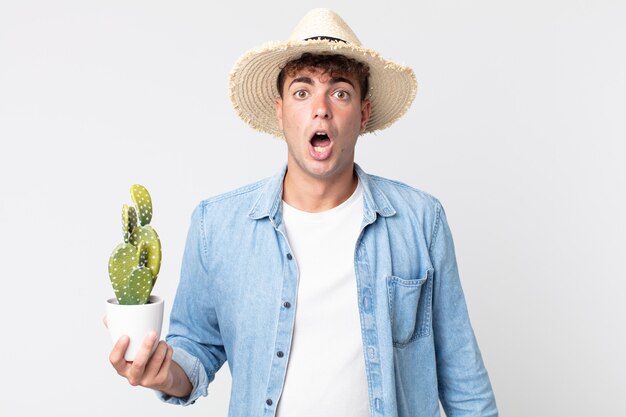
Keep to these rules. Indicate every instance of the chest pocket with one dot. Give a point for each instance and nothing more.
(410, 307)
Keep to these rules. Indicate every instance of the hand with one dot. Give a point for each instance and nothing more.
(148, 370)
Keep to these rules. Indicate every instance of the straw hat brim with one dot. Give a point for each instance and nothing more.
(253, 92)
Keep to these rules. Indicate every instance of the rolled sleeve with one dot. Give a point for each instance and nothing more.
(196, 374)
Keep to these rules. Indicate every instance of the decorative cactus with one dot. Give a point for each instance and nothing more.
(135, 264)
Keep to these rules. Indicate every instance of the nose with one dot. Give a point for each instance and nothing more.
(321, 109)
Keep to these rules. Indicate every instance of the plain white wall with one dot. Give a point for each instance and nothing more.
(518, 128)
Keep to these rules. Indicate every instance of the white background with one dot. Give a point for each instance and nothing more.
(518, 128)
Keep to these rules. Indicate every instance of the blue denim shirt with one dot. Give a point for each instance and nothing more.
(237, 299)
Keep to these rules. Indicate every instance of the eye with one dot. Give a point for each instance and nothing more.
(342, 94)
(301, 94)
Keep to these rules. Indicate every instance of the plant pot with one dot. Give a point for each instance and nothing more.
(135, 321)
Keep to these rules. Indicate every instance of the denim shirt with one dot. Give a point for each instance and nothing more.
(237, 299)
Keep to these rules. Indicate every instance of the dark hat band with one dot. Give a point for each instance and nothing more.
(325, 38)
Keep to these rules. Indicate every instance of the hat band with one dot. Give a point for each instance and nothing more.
(325, 38)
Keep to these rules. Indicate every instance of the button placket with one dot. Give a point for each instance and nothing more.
(285, 328)
(370, 339)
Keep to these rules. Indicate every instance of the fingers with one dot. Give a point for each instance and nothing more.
(149, 369)
(157, 369)
(137, 368)
(117, 355)
(105, 321)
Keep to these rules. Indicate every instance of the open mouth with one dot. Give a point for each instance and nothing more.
(319, 141)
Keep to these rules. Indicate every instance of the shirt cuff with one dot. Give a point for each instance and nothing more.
(196, 374)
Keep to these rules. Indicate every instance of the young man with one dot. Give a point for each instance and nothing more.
(330, 292)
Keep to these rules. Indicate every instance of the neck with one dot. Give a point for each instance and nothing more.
(315, 195)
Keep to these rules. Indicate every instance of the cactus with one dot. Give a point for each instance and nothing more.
(135, 264)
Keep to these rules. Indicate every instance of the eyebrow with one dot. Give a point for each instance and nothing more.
(333, 80)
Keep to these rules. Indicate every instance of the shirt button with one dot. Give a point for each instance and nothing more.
(268, 401)
(289, 256)
(280, 354)
(287, 304)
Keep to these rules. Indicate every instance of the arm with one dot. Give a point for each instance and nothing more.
(194, 330)
(464, 386)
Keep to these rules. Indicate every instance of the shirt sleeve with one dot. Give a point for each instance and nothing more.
(194, 331)
(196, 374)
(464, 386)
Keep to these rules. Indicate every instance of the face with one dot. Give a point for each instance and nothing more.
(321, 117)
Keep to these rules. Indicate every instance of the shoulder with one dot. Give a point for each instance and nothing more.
(238, 195)
(411, 216)
(233, 202)
(402, 195)
(411, 209)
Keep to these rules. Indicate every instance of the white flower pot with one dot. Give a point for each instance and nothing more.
(135, 321)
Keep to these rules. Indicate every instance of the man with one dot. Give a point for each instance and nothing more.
(330, 292)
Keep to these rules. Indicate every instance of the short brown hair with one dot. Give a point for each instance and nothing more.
(333, 64)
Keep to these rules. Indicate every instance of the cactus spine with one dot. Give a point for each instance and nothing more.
(135, 263)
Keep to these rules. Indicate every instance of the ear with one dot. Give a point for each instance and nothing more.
(279, 112)
(366, 110)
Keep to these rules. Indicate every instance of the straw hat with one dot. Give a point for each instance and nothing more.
(253, 89)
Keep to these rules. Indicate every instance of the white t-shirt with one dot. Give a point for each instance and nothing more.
(326, 369)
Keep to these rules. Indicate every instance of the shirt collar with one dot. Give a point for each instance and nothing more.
(269, 201)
